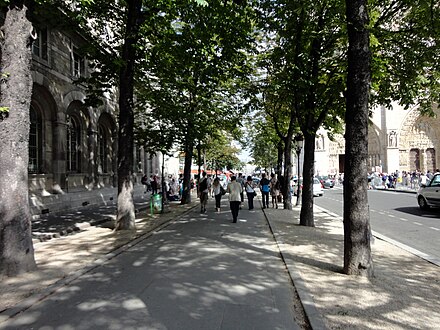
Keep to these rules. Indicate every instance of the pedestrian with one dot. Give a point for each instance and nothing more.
(274, 190)
(218, 192)
(209, 181)
(153, 184)
(281, 181)
(241, 181)
(203, 191)
(423, 179)
(234, 189)
(250, 192)
(144, 181)
(264, 187)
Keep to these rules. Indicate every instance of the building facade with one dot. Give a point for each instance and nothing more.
(398, 140)
(72, 146)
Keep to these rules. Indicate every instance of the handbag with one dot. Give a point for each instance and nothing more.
(222, 190)
(255, 193)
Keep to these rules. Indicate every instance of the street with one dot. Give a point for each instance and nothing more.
(395, 215)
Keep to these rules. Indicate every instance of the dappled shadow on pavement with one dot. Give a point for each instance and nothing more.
(403, 294)
(200, 272)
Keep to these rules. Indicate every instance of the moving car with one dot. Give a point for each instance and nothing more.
(317, 187)
(326, 181)
(318, 190)
(429, 194)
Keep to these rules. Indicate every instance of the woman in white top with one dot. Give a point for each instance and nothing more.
(217, 191)
(234, 190)
(250, 192)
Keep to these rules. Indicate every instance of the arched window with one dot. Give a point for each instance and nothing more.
(35, 142)
(73, 145)
(102, 150)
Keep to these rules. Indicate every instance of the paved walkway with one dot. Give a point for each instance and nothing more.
(185, 270)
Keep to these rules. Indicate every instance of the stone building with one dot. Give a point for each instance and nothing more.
(399, 140)
(72, 147)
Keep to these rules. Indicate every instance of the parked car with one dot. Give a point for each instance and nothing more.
(326, 181)
(429, 194)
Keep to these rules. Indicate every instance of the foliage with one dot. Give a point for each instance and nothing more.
(189, 68)
(262, 140)
(405, 45)
(220, 153)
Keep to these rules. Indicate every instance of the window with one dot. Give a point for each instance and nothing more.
(78, 65)
(39, 45)
(73, 145)
(35, 135)
(102, 150)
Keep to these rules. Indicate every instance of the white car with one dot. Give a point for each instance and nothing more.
(318, 190)
(429, 194)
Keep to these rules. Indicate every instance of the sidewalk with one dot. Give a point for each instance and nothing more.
(403, 295)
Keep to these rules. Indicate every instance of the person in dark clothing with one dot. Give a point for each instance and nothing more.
(264, 187)
(154, 185)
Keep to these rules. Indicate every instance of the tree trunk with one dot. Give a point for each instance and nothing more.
(280, 152)
(357, 231)
(16, 249)
(186, 195)
(306, 215)
(126, 212)
(287, 196)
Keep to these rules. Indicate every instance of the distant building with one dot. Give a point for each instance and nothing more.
(399, 139)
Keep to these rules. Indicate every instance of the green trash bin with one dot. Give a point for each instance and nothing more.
(156, 203)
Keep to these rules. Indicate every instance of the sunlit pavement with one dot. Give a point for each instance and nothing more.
(199, 272)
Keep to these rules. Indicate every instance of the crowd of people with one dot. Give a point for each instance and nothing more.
(237, 187)
(406, 179)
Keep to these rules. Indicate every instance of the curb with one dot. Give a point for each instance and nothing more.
(312, 314)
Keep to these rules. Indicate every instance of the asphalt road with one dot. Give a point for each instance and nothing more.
(395, 215)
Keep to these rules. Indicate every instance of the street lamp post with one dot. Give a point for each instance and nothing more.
(298, 146)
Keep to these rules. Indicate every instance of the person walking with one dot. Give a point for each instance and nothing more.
(274, 190)
(234, 189)
(153, 183)
(217, 190)
(144, 181)
(241, 181)
(250, 192)
(264, 187)
(203, 191)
